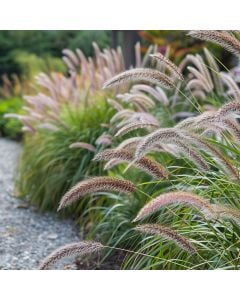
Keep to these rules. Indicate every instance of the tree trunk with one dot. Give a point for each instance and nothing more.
(130, 38)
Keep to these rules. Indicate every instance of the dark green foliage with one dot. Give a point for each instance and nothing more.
(48, 168)
(45, 44)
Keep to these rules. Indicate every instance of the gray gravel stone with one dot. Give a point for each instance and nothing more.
(27, 236)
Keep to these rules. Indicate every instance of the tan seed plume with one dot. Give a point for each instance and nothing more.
(96, 184)
(82, 145)
(80, 248)
(168, 64)
(163, 135)
(149, 76)
(222, 38)
(134, 126)
(179, 197)
(225, 212)
(234, 128)
(115, 104)
(130, 143)
(193, 156)
(217, 155)
(146, 164)
(229, 108)
(169, 234)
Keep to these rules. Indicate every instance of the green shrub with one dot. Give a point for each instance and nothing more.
(31, 64)
(48, 167)
(10, 127)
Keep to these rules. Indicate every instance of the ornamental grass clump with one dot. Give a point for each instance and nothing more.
(53, 161)
(192, 197)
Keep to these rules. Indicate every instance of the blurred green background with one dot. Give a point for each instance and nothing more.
(27, 52)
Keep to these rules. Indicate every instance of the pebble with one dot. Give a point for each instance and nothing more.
(26, 236)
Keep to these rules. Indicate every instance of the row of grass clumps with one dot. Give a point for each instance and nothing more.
(168, 194)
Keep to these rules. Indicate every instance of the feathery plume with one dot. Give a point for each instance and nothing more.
(146, 164)
(70, 54)
(139, 97)
(214, 71)
(193, 156)
(201, 77)
(80, 248)
(199, 94)
(216, 154)
(156, 92)
(112, 163)
(233, 127)
(139, 117)
(226, 212)
(168, 64)
(150, 76)
(178, 197)
(229, 108)
(96, 184)
(169, 234)
(138, 54)
(69, 63)
(122, 114)
(48, 126)
(204, 70)
(164, 135)
(197, 84)
(233, 88)
(115, 104)
(104, 139)
(133, 126)
(86, 146)
(130, 143)
(221, 38)
(182, 115)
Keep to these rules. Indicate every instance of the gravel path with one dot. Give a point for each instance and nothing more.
(26, 236)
